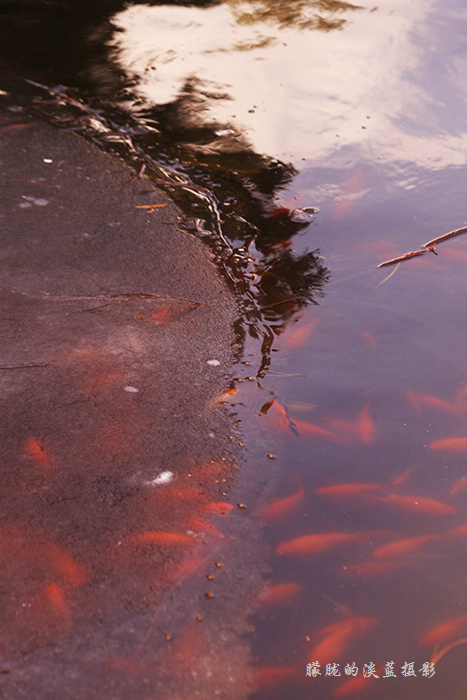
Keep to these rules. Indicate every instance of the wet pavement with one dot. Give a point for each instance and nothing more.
(116, 339)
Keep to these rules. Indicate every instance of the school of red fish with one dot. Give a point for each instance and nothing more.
(60, 576)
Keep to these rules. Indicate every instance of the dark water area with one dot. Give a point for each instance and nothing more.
(307, 143)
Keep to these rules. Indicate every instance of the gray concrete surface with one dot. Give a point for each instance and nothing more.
(111, 320)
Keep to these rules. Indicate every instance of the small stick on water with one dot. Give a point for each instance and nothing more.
(403, 257)
(451, 234)
(390, 275)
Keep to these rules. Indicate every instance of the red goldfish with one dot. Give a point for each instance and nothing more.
(371, 568)
(56, 598)
(420, 401)
(443, 632)
(401, 548)
(365, 427)
(454, 445)
(336, 638)
(300, 334)
(357, 684)
(217, 508)
(267, 676)
(459, 486)
(282, 507)
(72, 572)
(278, 595)
(315, 544)
(417, 504)
(37, 451)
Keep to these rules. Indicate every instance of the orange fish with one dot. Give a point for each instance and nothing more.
(278, 595)
(417, 504)
(192, 564)
(305, 428)
(368, 338)
(299, 335)
(56, 598)
(402, 477)
(268, 676)
(371, 568)
(401, 548)
(357, 684)
(225, 396)
(280, 420)
(450, 445)
(218, 508)
(420, 401)
(203, 527)
(65, 566)
(37, 451)
(335, 639)
(282, 507)
(350, 189)
(347, 490)
(315, 544)
(460, 486)
(343, 426)
(365, 427)
(462, 530)
(443, 632)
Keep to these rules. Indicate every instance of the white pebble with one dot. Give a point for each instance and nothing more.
(213, 363)
(131, 389)
(163, 478)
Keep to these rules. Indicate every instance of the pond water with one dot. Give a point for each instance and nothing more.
(310, 142)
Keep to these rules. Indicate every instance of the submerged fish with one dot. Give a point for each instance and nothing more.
(365, 427)
(417, 504)
(315, 544)
(420, 401)
(38, 452)
(56, 599)
(282, 507)
(401, 548)
(443, 632)
(280, 594)
(458, 444)
(334, 639)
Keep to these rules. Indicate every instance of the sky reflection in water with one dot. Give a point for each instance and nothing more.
(370, 85)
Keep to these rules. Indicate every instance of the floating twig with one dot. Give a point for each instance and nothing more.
(451, 234)
(150, 207)
(390, 275)
(412, 254)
